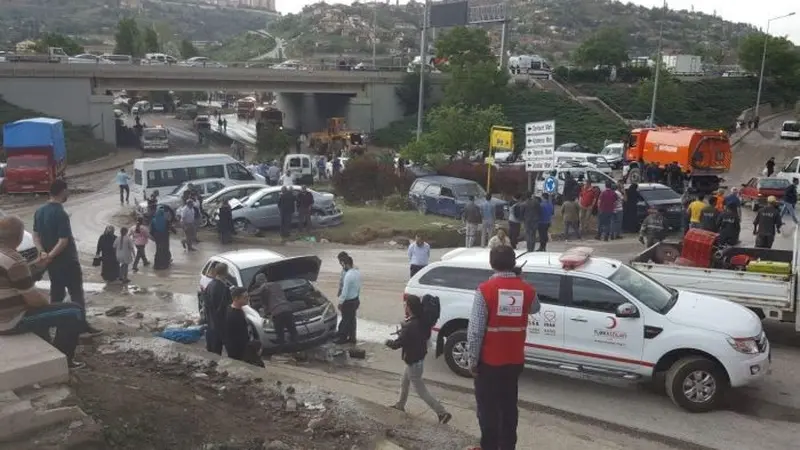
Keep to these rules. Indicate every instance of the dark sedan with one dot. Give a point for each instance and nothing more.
(655, 195)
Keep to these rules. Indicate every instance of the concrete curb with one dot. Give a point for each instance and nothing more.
(104, 169)
(750, 130)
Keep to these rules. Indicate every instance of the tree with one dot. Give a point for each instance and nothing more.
(128, 38)
(481, 85)
(69, 45)
(607, 47)
(407, 93)
(669, 97)
(150, 42)
(782, 60)
(463, 47)
(272, 142)
(188, 50)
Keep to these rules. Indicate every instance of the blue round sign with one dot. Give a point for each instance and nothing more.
(550, 185)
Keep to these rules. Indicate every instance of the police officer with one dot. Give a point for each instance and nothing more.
(496, 342)
(708, 217)
(653, 227)
(767, 223)
(729, 225)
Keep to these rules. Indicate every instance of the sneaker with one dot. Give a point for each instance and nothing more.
(75, 365)
(444, 418)
(398, 407)
(92, 331)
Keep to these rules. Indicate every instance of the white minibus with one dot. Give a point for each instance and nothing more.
(165, 174)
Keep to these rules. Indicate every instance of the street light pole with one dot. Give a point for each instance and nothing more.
(374, 32)
(423, 67)
(764, 61)
(658, 71)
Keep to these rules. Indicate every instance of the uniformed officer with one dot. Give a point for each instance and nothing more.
(729, 225)
(496, 342)
(767, 223)
(653, 227)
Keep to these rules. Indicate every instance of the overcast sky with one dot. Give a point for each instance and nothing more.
(754, 12)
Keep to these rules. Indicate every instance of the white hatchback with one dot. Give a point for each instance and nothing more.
(607, 319)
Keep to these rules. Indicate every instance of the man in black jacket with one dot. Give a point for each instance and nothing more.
(708, 218)
(729, 225)
(532, 209)
(217, 299)
(767, 223)
(286, 203)
(413, 339)
(305, 200)
(790, 201)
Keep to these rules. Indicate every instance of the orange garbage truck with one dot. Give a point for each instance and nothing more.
(703, 155)
(35, 154)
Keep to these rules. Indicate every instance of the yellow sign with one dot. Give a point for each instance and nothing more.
(501, 138)
(489, 161)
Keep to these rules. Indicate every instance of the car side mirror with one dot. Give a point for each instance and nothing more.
(627, 311)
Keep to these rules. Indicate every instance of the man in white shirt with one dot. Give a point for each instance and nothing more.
(188, 222)
(419, 255)
(273, 174)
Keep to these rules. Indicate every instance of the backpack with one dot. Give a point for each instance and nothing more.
(430, 310)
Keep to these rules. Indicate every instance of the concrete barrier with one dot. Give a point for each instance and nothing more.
(26, 359)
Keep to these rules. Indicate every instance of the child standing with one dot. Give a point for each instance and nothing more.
(141, 236)
(125, 250)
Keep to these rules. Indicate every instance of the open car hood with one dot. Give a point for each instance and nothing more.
(300, 267)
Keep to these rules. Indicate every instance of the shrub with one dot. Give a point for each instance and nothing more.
(506, 181)
(365, 179)
(397, 202)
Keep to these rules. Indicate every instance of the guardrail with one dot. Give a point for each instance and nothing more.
(250, 65)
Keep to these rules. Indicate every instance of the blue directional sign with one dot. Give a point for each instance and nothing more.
(550, 185)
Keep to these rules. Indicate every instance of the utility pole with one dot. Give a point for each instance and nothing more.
(504, 35)
(658, 71)
(374, 32)
(764, 61)
(423, 67)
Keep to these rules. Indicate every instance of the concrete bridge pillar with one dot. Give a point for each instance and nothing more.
(374, 107)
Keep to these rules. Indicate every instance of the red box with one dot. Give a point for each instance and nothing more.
(698, 246)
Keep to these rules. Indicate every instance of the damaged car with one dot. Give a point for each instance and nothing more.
(315, 316)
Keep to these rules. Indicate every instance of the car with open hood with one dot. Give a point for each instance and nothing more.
(315, 316)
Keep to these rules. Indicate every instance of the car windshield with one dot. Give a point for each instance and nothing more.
(248, 275)
(773, 183)
(653, 294)
(178, 189)
(612, 150)
(650, 195)
(467, 189)
(791, 126)
(158, 133)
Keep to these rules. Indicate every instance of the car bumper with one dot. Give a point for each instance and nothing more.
(309, 335)
(328, 219)
(751, 369)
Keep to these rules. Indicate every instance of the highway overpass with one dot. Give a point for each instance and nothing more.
(76, 92)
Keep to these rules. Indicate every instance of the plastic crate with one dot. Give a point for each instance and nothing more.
(698, 246)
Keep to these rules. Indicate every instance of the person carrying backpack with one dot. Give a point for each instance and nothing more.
(413, 340)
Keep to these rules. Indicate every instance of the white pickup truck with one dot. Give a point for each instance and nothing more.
(770, 296)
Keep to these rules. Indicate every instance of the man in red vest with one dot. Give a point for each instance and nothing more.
(496, 341)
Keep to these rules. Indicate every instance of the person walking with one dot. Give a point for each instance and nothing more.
(272, 301)
(605, 211)
(496, 348)
(141, 236)
(515, 215)
(159, 229)
(107, 254)
(790, 201)
(487, 222)
(531, 213)
(619, 210)
(545, 219)
(630, 218)
(286, 205)
(653, 227)
(570, 213)
(123, 180)
(767, 223)
(305, 201)
(225, 225)
(770, 166)
(125, 251)
(729, 225)
(588, 202)
(419, 255)
(52, 234)
(273, 174)
(413, 338)
(216, 300)
(225, 125)
(348, 300)
(188, 219)
(472, 221)
(23, 308)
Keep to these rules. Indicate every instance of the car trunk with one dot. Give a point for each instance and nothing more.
(295, 276)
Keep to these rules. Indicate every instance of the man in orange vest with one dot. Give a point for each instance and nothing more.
(496, 340)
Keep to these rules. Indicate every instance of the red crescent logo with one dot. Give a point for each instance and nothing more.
(613, 323)
(513, 300)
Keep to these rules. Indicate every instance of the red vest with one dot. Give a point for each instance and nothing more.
(508, 301)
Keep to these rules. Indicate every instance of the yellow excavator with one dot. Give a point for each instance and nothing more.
(337, 140)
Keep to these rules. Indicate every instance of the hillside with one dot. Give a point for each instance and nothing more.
(24, 19)
(243, 47)
(548, 27)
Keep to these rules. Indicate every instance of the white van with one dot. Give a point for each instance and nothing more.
(158, 59)
(790, 130)
(166, 173)
(301, 168)
(596, 161)
(790, 170)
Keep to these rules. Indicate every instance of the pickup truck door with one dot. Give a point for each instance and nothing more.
(545, 337)
(593, 335)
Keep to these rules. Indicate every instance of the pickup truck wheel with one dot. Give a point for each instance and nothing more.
(696, 384)
(634, 175)
(455, 353)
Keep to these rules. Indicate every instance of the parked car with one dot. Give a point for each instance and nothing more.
(202, 61)
(174, 200)
(758, 189)
(790, 130)
(447, 196)
(314, 315)
(573, 147)
(259, 210)
(655, 195)
(614, 155)
(239, 191)
(590, 159)
(601, 317)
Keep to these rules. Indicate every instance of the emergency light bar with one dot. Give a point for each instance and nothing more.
(575, 257)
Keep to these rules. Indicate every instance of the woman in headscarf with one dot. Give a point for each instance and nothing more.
(225, 223)
(159, 229)
(108, 255)
(630, 216)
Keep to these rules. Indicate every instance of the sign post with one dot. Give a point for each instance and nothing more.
(539, 154)
(500, 138)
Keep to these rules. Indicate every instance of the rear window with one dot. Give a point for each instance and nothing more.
(791, 126)
(773, 183)
(154, 133)
(659, 194)
(455, 277)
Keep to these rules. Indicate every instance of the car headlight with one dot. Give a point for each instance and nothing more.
(266, 324)
(748, 346)
(329, 312)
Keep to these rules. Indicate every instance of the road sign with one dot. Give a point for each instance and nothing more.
(540, 145)
(550, 185)
(501, 138)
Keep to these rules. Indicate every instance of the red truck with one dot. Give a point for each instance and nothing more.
(35, 154)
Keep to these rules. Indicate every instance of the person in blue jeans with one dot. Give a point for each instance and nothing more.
(123, 179)
(545, 219)
(790, 200)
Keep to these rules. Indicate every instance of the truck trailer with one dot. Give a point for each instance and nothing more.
(36, 154)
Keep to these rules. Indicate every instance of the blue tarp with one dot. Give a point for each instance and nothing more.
(37, 132)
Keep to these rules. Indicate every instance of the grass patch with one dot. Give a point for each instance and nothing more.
(81, 144)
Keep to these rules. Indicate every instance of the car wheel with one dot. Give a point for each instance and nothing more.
(243, 226)
(204, 221)
(634, 175)
(456, 354)
(422, 207)
(696, 384)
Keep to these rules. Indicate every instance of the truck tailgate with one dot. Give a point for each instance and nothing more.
(751, 289)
